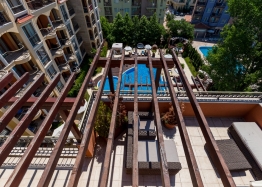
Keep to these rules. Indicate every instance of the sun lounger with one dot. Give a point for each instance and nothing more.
(248, 137)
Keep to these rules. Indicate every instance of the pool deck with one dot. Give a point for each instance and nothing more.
(197, 44)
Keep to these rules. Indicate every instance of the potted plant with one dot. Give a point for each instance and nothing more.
(103, 118)
(154, 53)
(169, 118)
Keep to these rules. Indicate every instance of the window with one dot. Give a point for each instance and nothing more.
(206, 19)
(116, 10)
(42, 55)
(223, 21)
(116, 1)
(74, 44)
(212, 19)
(126, 10)
(51, 71)
(208, 10)
(78, 57)
(31, 34)
(99, 26)
(68, 26)
(59, 86)
(64, 13)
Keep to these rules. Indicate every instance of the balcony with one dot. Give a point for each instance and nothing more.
(48, 33)
(76, 27)
(64, 67)
(79, 40)
(74, 67)
(107, 4)
(58, 24)
(108, 13)
(96, 34)
(220, 4)
(3, 18)
(38, 4)
(70, 57)
(85, 9)
(93, 22)
(71, 12)
(216, 14)
(16, 6)
(201, 3)
(3, 73)
(18, 56)
(64, 42)
(57, 51)
(89, 25)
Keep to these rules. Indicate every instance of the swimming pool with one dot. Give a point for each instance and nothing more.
(144, 81)
(204, 50)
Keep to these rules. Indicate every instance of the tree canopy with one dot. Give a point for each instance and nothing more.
(181, 28)
(132, 31)
(236, 62)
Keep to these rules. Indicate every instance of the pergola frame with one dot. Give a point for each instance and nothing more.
(109, 63)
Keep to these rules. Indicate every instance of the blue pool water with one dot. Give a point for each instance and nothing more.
(128, 78)
(204, 50)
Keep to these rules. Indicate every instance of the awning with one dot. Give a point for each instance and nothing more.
(210, 31)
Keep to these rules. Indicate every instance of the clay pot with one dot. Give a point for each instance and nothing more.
(169, 126)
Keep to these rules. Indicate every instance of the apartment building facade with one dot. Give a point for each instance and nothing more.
(176, 4)
(45, 36)
(109, 8)
(213, 16)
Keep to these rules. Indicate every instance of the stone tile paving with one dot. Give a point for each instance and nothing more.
(91, 169)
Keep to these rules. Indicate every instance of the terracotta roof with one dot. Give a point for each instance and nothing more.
(188, 18)
(24, 18)
(61, 1)
(201, 26)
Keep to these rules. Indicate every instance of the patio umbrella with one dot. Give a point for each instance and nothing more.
(148, 47)
(154, 46)
(128, 48)
(168, 56)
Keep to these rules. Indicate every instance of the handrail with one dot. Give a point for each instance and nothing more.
(36, 70)
(21, 47)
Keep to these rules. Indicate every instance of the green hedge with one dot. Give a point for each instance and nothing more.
(80, 78)
(190, 66)
(195, 58)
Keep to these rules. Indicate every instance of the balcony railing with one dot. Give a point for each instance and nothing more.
(70, 57)
(201, 3)
(58, 23)
(108, 12)
(71, 11)
(64, 41)
(107, 4)
(63, 67)
(56, 51)
(75, 68)
(20, 54)
(93, 21)
(76, 27)
(37, 4)
(49, 31)
(96, 34)
(79, 40)
(220, 4)
(19, 7)
(3, 18)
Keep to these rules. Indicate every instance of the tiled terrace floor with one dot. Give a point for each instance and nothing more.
(118, 178)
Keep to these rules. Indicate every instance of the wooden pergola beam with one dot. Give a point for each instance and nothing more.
(162, 152)
(191, 159)
(211, 143)
(13, 89)
(76, 171)
(5, 80)
(12, 139)
(135, 169)
(67, 104)
(111, 134)
(21, 168)
(12, 110)
(51, 165)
